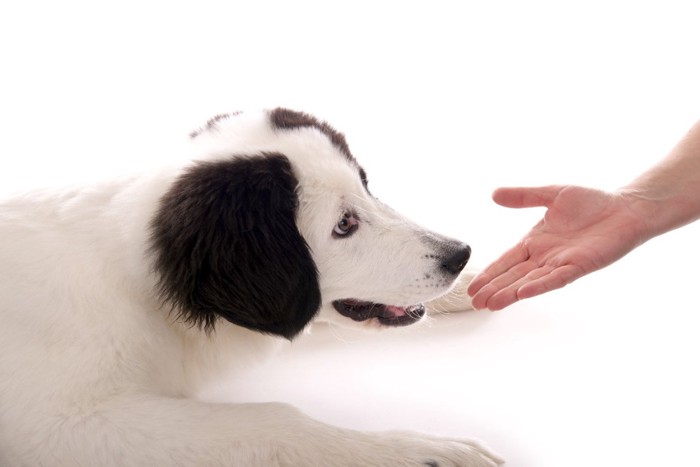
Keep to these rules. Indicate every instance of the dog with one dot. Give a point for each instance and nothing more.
(120, 301)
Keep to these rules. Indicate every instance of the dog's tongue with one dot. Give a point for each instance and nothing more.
(374, 309)
(397, 311)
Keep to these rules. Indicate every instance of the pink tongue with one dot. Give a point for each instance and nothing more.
(397, 311)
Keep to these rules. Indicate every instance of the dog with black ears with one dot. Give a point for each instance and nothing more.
(121, 301)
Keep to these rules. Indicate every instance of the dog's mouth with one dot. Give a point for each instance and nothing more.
(387, 315)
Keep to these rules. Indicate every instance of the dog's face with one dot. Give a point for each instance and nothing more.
(278, 226)
(375, 266)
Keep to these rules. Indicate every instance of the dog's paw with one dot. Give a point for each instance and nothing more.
(414, 449)
(457, 298)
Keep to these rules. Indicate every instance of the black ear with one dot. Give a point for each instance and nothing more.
(226, 244)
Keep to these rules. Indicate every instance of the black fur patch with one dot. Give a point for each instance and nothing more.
(226, 245)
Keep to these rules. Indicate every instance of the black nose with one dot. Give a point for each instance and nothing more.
(455, 260)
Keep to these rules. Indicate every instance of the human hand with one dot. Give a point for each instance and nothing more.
(582, 231)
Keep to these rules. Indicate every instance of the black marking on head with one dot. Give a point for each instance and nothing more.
(226, 245)
(289, 119)
(211, 123)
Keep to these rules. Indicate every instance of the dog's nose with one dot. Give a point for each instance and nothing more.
(455, 261)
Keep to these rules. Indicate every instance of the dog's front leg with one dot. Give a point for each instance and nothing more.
(148, 431)
(456, 299)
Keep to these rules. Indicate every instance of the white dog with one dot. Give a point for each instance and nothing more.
(119, 302)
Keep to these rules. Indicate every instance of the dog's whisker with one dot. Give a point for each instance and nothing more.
(336, 332)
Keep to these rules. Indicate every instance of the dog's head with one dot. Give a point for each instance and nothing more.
(276, 225)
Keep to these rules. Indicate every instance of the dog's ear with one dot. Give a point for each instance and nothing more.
(226, 244)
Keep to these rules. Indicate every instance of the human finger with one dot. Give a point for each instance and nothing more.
(526, 197)
(482, 297)
(510, 258)
(506, 296)
(556, 279)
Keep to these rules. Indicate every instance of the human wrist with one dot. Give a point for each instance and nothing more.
(654, 211)
(642, 212)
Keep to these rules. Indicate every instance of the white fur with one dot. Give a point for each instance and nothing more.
(95, 372)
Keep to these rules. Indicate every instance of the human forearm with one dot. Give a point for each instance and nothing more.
(667, 196)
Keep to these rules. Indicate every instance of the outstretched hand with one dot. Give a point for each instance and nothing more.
(582, 231)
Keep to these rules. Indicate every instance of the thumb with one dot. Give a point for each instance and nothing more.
(526, 197)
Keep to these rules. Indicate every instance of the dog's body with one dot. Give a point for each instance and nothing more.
(111, 299)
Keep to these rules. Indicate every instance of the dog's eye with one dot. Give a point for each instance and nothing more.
(346, 226)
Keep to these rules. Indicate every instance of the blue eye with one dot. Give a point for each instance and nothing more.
(346, 226)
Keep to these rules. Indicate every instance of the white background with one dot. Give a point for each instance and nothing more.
(441, 102)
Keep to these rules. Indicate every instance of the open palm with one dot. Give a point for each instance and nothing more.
(582, 231)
